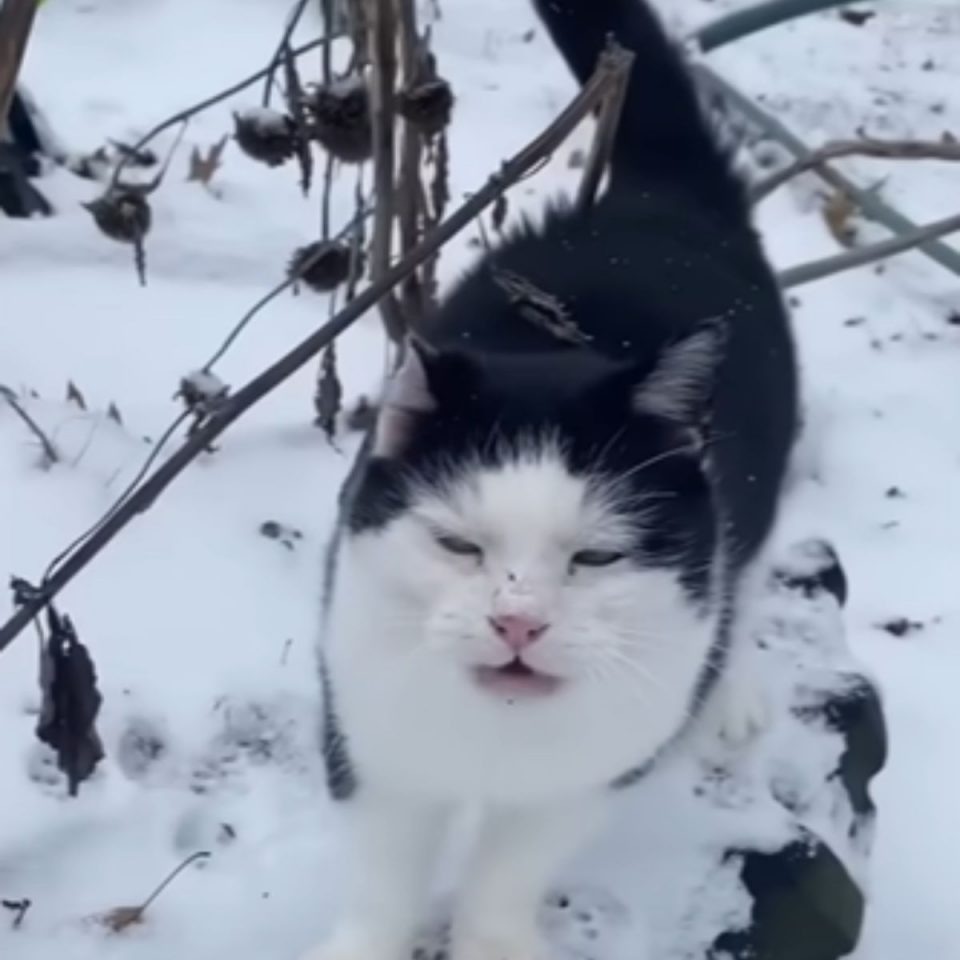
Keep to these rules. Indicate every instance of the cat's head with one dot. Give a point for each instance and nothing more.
(540, 521)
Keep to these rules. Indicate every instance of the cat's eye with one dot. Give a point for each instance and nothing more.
(457, 545)
(595, 558)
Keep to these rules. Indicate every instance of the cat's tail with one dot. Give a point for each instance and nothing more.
(663, 132)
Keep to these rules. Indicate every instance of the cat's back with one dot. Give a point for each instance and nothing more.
(637, 272)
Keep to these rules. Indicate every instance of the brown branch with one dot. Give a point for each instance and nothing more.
(818, 269)
(49, 450)
(16, 21)
(867, 147)
(601, 147)
(383, 71)
(611, 66)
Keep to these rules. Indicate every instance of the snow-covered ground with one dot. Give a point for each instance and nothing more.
(202, 628)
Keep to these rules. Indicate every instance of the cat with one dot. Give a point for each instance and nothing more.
(533, 585)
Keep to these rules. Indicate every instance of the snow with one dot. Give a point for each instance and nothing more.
(202, 628)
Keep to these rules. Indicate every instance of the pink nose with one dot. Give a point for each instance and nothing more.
(518, 630)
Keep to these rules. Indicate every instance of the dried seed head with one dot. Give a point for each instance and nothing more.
(427, 105)
(339, 115)
(265, 135)
(122, 214)
(323, 265)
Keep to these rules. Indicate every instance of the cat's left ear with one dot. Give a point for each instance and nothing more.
(680, 387)
(424, 382)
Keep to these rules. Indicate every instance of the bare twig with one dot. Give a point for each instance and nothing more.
(611, 66)
(351, 228)
(383, 70)
(866, 147)
(409, 187)
(868, 202)
(278, 57)
(601, 148)
(184, 115)
(908, 240)
(49, 450)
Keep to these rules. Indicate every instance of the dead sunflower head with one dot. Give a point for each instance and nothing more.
(427, 105)
(122, 214)
(323, 265)
(265, 135)
(340, 121)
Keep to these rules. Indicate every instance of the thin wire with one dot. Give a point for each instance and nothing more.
(127, 493)
(231, 338)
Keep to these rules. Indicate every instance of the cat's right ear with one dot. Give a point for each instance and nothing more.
(417, 388)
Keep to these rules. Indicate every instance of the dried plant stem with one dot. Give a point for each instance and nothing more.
(326, 74)
(295, 14)
(184, 115)
(49, 450)
(351, 229)
(601, 148)
(409, 188)
(382, 33)
(611, 66)
(866, 147)
(193, 858)
(908, 240)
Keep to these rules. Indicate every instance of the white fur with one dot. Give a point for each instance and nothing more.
(409, 620)
(678, 385)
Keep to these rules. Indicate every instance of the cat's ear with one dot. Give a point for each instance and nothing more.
(680, 387)
(418, 387)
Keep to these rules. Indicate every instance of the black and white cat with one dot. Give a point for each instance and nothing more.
(534, 581)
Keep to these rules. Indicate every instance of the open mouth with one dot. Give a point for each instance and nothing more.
(515, 679)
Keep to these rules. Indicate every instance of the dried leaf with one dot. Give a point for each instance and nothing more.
(838, 211)
(204, 166)
(75, 396)
(70, 702)
(329, 396)
(120, 918)
(538, 307)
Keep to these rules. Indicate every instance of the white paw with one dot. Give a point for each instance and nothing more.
(743, 710)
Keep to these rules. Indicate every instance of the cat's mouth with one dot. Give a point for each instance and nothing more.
(515, 679)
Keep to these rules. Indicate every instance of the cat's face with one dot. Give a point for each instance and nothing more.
(525, 578)
(536, 536)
